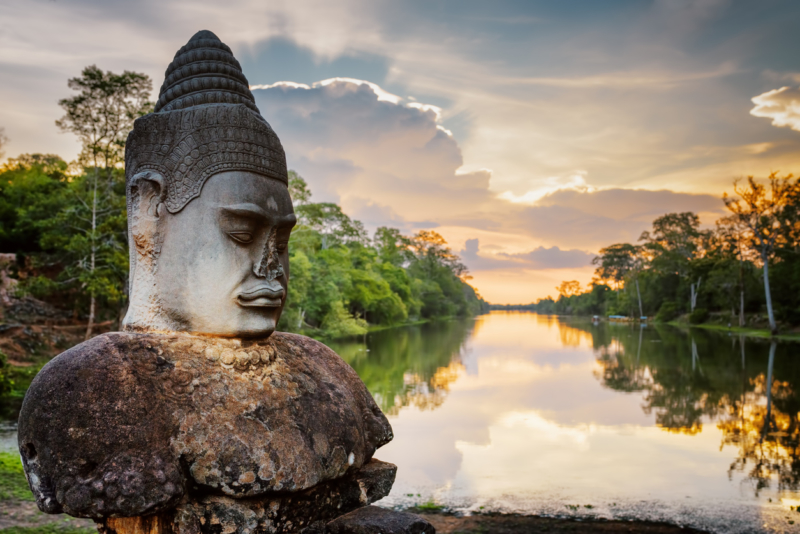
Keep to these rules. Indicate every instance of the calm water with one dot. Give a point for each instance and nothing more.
(537, 414)
(518, 412)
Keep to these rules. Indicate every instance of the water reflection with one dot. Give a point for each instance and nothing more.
(410, 366)
(527, 413)
(536, 414)
(746, 387)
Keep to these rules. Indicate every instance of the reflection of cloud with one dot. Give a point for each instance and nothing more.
(781, 105)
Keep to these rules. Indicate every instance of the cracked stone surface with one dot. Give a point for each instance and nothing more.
(375, 520)
(131, 424)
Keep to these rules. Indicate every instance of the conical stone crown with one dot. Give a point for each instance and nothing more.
(204, 71)
(205, 122)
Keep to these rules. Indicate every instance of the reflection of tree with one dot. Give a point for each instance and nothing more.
(679, 385)
(764, 424)
(571, 336)
(411, 366)
(686, 378)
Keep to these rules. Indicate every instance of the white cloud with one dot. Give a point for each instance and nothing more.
(368, 149)
(781, 105)
(536, 259)
(548, 186)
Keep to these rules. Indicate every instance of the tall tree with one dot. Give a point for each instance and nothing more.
(761, 209)
(101, 115)
(568, 288)
(298, 189)
(3, 141)
(676, 240)
(32, 188)
(614, 263)
(731, 241)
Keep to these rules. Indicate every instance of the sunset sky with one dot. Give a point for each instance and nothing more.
(529, 134)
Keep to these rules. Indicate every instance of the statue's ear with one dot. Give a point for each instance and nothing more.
(147, 193)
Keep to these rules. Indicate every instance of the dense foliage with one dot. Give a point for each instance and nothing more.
(747, 265)
(341, 280)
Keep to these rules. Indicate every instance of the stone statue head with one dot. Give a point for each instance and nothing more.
(209, 212)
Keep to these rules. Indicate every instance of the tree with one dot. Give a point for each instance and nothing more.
(617, 262)
(614, 263)
(101, 115)
(731, 242)
(568, 288)
(431, 251)
(393, 247)
(675, 241)
(761, 211)
(298, 189)
(32, 189)
(3, 141)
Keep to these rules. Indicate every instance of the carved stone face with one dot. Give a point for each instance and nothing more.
(224, 263)
(220, 266)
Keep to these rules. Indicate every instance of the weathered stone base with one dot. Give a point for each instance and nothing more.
(287, 513)
(375, 520)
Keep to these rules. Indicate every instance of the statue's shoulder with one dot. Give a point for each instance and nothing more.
(308, 347)
(90, 416)
(86, 369)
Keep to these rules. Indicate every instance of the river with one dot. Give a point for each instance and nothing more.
(518, 412)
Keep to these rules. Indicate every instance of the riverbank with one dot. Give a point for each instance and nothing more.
(25, 518)
(526, 524)
(19, 515)
(762, 333)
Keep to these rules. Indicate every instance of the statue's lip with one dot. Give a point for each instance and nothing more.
(263, 297)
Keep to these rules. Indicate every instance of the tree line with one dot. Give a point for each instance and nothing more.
(67, 225)
(747, 265)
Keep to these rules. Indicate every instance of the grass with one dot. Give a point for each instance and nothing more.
(13, 484)
(50, 528)
(429, 507)
(763, 333)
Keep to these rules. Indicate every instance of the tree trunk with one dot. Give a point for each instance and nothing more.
(93, 255)
(741, 308)
(773, 328)
(91, 317)
(695, 290)
(741, 343)
(768, 385)
(151, 524)
(639, 294)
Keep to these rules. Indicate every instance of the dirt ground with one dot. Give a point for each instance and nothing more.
(519, 524)
(26, 514)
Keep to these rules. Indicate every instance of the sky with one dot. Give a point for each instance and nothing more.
(529, 134)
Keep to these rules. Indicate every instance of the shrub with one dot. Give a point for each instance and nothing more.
(339, 323)
(6, 384)
(698, 316)
(667, 312)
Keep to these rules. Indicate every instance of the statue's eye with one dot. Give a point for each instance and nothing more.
(281, 247)
(241, 237)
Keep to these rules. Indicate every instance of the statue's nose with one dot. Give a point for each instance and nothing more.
(268, 265)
